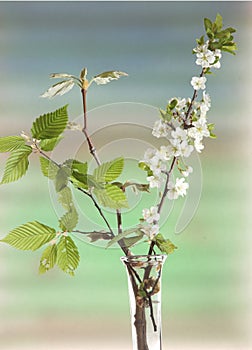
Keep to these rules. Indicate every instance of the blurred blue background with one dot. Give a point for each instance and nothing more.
(207, 282)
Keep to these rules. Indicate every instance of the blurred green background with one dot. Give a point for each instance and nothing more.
(207, 282)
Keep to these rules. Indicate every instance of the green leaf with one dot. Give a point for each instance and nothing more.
(69, 220)
(17, 164)
(208, 25)
(231, 30)
(62, 177)
(48, 258)
(210, 128)
(166, 115)
(111, 196)
(68, 256)
(48, 168)
(50, 144)
(218, 22)
(109, 171)
(200, 41)
(165, 245)
(65, 198)
(126, 233)
(50, 125)
(11, 143)
(230, 48)
(30, 236)
(129, 242)
(146, 168)
(172, 104)
(77, 166)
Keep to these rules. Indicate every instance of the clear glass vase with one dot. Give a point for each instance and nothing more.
(144, 283)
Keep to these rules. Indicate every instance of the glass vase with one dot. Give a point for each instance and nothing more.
(144, 284)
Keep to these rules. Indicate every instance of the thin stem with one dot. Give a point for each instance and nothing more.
(160, 205)
(91, 147)
(195, 93)
(93, 152)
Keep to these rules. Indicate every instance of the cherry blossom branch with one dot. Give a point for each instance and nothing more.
(195, 93)
(160, 205)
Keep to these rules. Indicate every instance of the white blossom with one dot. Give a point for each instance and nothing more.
(179, 134)
(205, 104)
(218, 55)
(201, 48)
(149, 154)
(201, 128)
(175, 147)
(177, 189)
(181, 104)
(160, 129)
(187, 171)
(198, 83)
(156, 165)
(150, 230)
(198, 145)
(155, 181)
(205, 58)
(164, 153)
(151, 215)
(185, 149)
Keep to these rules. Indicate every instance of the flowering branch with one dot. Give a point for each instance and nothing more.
(182, 125)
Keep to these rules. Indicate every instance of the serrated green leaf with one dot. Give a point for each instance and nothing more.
(48, 258)
(109, 171)
(49, 144)
(65, 198)
(30, 236)
(61, 179)
(11, 143)
(77, 166)
(111, 196)
(165, 245)
(126, 233)
(48, 168)
(68, 256)
(17, 164)
(50, 125)
(69, 220)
